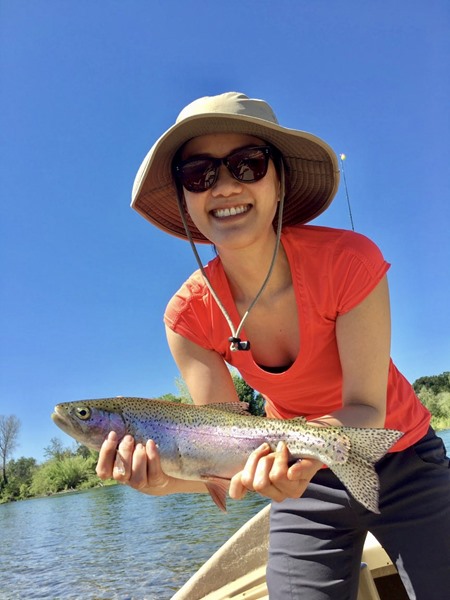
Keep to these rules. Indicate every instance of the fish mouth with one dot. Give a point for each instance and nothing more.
(63, 419)
(57, 415)
(60, 418)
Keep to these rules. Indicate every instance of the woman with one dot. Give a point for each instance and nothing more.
(303, 313)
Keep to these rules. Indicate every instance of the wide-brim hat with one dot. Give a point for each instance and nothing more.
(311, 166)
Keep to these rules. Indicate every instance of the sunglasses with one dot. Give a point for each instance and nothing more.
(200, 173)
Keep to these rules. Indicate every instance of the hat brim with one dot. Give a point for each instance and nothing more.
(312, 170)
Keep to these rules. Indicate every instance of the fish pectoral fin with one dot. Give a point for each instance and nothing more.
(217, 489)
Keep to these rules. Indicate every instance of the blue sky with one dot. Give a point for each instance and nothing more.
(87, 87)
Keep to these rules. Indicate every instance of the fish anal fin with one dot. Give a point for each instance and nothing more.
(217, 489)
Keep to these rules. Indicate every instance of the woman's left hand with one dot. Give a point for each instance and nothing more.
(269, 474)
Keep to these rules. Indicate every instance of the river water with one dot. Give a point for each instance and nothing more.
(112, 543)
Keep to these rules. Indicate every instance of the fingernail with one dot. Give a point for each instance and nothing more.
(119, 468)
(280, 446)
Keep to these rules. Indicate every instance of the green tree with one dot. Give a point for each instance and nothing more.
(56, 450)
(71, 472)
(434, 393)
(170, 398)
(20, 475)
(85, 452)
(247, 394)
(183, 392)
(9, 432)
(435, 383)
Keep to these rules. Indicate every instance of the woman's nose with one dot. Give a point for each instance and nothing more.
(226, 184)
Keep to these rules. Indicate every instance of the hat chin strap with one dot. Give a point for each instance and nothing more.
(235, 342)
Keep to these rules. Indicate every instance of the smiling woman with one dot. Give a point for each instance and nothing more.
(308, 312)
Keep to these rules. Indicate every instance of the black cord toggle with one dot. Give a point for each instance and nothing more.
(237, 344)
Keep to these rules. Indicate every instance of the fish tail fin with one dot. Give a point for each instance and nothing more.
(358, 472)
(371, 444)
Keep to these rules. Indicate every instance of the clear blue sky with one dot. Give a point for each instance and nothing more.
(87, 87)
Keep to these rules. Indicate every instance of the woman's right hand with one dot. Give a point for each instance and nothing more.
(133, 464)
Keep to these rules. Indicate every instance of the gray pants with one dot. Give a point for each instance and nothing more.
(316, 541)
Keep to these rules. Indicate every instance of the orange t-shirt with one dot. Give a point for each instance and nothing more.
(332, 270)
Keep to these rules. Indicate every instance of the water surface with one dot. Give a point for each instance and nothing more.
(112, 543)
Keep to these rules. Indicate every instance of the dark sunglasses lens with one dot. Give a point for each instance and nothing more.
(246, 165)
(249, 164)
(198, 175)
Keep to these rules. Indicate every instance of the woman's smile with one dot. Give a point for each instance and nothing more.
(224, 213)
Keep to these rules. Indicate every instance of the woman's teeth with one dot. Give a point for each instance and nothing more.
(230, 212)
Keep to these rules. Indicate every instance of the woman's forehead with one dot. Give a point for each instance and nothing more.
(218, 144)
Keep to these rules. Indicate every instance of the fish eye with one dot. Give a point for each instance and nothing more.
(83, 413)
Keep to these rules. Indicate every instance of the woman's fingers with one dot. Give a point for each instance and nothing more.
(138, 477)
(269, 474)
(134, 464)
(107, 456)
(242, 482)
(253, 465)
(304, 469)
(156, 476)
(124, 459)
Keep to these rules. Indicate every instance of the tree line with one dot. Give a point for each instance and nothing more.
(73, 468)
(434, 393)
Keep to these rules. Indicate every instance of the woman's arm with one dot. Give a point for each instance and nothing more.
(364, 340)
(204, 371)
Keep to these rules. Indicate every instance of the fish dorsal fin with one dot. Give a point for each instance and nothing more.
(298, 420)
(238, 408)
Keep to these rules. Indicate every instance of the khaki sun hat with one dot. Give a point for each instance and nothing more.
(311, 166)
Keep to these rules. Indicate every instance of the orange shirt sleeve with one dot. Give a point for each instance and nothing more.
(355, 270)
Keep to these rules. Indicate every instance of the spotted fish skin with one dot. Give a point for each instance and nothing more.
(212, 443)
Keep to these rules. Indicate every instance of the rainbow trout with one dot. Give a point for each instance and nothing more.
(211, 443)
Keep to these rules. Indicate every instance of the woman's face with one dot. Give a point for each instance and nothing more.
(232, 213)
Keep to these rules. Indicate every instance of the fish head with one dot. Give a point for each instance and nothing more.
(87, 423)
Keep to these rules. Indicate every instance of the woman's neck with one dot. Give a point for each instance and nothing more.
(247, 268)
